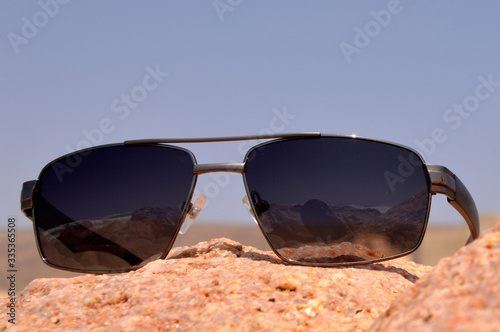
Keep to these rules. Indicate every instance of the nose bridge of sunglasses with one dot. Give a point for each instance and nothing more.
(218, 167)
(194, 211)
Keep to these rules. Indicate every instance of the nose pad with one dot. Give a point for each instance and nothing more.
(261, 206)
(194, 211)
(246, 203)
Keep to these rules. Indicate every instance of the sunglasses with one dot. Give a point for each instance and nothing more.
(319, 200)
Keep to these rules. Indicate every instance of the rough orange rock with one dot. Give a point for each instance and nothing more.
(462, 293)
(218, 285)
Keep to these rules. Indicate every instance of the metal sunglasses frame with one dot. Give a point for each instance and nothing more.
(442, 181)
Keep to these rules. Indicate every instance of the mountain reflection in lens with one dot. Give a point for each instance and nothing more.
(119, 208)
(329, 201)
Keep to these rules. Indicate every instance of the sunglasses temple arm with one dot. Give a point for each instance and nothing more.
(443, 181)
(465, 205)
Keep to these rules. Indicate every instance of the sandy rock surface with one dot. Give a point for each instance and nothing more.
(218, 285)
(462, 293)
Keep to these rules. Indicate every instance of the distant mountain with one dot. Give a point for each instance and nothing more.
(396, 231)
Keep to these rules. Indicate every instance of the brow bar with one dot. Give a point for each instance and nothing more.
(221, 139)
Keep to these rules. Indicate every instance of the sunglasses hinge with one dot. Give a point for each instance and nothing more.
(442, 181)
(26, 198)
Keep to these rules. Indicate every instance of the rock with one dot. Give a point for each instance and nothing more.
(218, 285)
(462, 293)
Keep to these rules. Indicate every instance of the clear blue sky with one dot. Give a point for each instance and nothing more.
(394, 70)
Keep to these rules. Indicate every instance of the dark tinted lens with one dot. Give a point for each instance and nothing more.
(337, 200)
(112, 208)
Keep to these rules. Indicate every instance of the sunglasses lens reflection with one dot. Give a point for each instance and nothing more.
(112, 208)
(336, 200)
